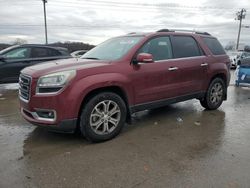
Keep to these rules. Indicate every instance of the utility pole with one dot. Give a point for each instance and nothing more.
(239, 16)
(45, 20)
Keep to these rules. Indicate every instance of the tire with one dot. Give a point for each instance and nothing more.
(214, 95)
(103, 117)
(237, 84)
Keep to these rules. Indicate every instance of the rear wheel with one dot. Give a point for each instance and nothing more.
(103, 117)
(214, 95)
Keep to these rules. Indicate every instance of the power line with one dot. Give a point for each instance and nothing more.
(87, 28)
(93, 6)
(125, 4)
(154, 5)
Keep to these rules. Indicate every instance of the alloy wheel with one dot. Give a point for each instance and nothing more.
(105, 117)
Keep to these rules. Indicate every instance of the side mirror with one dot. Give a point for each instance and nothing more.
(144, 58)
(2, 58)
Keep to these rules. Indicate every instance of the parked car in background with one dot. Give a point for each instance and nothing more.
(98, 92)
(236, 57)
(232, 55)
(243, 73)
(78, 53)
(15, 58)
(241, 56)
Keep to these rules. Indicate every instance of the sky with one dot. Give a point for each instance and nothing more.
(93, 21)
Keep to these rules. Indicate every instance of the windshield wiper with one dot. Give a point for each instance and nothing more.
(90, 58)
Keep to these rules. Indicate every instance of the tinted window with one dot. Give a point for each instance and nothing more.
(40, 52)
(214, 46)
(53, 52)
(185, 46)
(18, 53)
(159, 47)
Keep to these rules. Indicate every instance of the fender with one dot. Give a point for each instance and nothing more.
(87, 84)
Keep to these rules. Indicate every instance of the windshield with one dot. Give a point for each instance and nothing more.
(112, 49)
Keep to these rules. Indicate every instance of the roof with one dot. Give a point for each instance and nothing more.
(184, 31)
(41, 45)
(32, 45)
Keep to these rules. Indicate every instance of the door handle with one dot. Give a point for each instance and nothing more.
(204, 64)
(173, 68)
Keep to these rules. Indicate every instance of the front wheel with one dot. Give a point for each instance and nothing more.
(103, 117)
(214, 95)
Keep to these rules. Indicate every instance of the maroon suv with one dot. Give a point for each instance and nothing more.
(98, 92)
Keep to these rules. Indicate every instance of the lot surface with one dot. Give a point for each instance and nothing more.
(180, 145)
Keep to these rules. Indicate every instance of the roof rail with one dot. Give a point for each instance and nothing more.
(202, 33)
(163, 30)
(132, 33)
(183, 30)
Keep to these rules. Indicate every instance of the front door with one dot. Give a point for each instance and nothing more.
(15, 61)
(157, 80)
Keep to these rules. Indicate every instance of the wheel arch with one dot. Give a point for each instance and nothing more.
(219, 75)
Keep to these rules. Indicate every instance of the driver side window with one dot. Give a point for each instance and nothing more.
(159, 47)
(19, 53)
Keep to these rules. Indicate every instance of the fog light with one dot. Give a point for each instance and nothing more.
(47, 114)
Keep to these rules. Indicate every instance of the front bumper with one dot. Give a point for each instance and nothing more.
(63, 114)
(66, 126)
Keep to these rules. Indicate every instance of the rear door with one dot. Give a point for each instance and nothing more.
(42, 54)
(15, 60)
(192, 64)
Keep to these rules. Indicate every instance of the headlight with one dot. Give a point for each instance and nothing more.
(52, 83)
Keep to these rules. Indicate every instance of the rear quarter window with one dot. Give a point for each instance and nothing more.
(214, 46)
(64, 53)
(53, 52)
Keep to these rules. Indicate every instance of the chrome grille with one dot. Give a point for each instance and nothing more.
(24, 87)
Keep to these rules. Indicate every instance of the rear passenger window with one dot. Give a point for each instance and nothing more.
(185, 46)
(39, 52)
(214, 46)
(159, 47)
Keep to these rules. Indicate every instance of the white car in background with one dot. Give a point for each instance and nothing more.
(78, 53)
(236, 57)
(233, 58)
(241, 56)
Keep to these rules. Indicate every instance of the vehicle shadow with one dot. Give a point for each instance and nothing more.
(184, 118)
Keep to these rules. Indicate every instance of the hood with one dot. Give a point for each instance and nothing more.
(62, 65)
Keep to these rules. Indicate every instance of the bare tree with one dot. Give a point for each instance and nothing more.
(19, 41)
